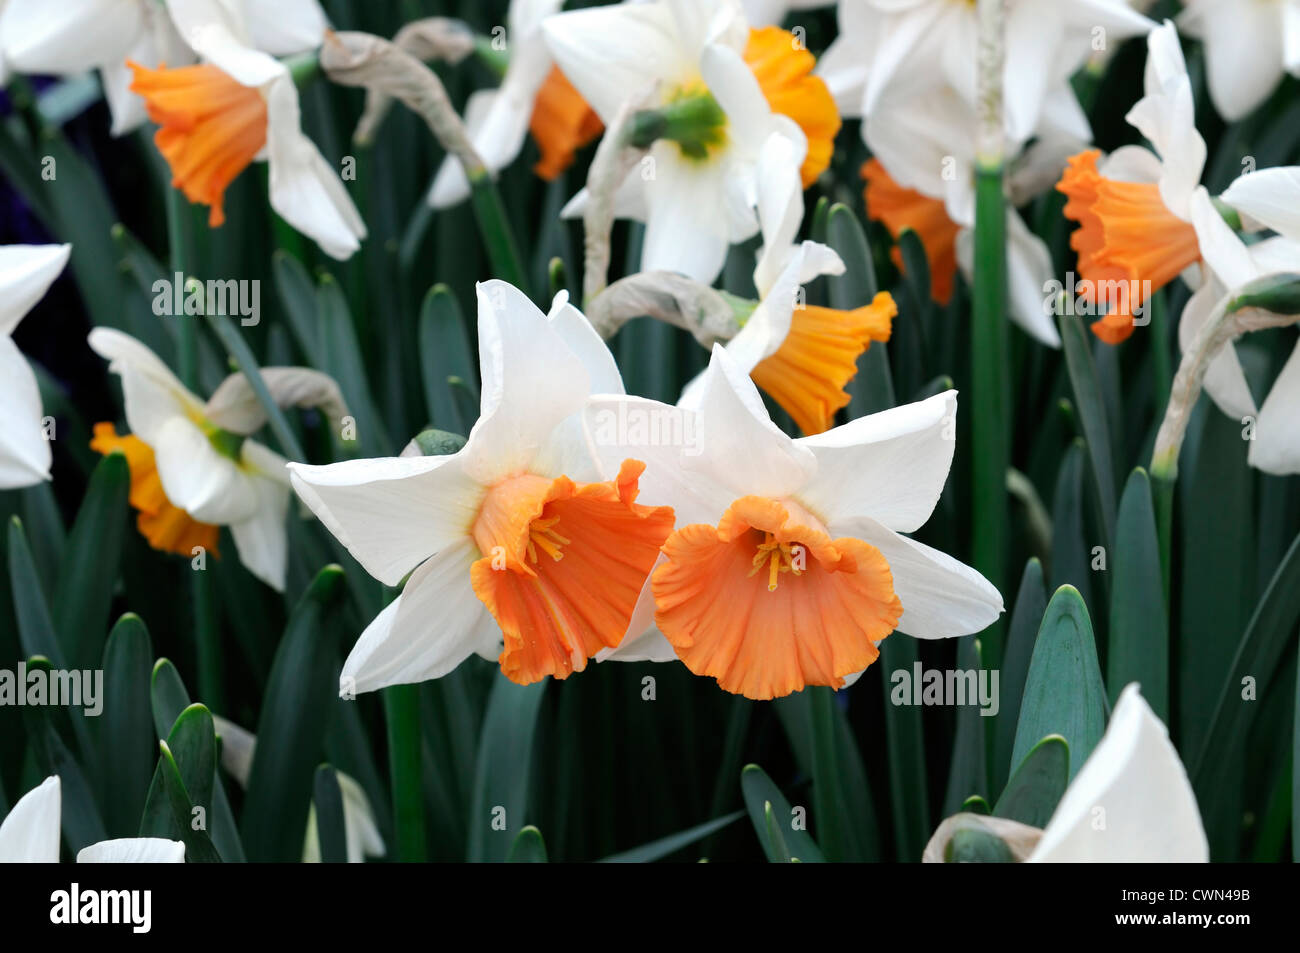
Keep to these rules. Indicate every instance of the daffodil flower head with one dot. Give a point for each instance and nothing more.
(514, 546)
(788, 566)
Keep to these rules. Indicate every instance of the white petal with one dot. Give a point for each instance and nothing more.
(1224, 381)
(304, 188)
(1276, 447)
(125, 107)
(434, 625)
(218, 33)
(199, 479)
(134, 850)
(687, 227)
(26, 273)
(262, 540)
(363, 835)
(24, 451)
(1243, 52)
(1131, 164)
(1029, 268)
(942, 598)
(891, 466)
(391, 513)
(1034, 32)
(613, 53)
(581, 338)
(1222, 250)
(1270, 197)
(30, 833)
(735, 87)
(285, 27)
(237, 747)
(769, 325)
(1135, 777)
(152, 393)
(70, 36)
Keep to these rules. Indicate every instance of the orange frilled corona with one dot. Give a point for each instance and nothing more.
(562, 123)
(211, 128)
(563, 565)
(898, 208)
(1129, 242)
(167, 527)
(783, 68)
(819, 356)
(767, 603)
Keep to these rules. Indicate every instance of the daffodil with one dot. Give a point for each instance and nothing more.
(803, 355)
(896, 49)
(26, 273)
(1147, 810)
(696, 59)
(1131, 802)
(70, 38)
(193, 467)
(788, 565)
(513, 545)
(30, 835)
(533, 96)
(238, 105)
(361, 832)
(1269, 199)
(1134, 208)
(1249, 47)
(923, 178)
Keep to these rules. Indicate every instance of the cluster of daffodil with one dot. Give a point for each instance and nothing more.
(554, 533)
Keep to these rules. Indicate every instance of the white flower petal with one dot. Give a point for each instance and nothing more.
(134, 850)
(1243, 52)
(1269, 197)
(1029, 268)
(26, 273)
(196, 477)
(153, 394)
(581, 338)
(434, 625)
(1225, 380)
(891, 466)
(1276, 447)
(1135, 777)
(30, 833)
(687, 224)
(262, 540)
(24, 452)
(642, 642)
(70, 36)
(392, 513)
(942, 598)
(284, 27)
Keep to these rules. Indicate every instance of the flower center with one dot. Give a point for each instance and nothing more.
(779, 557)
(689, 116)
(542, 535)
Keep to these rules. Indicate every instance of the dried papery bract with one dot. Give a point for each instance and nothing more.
(1018, 840)
(440, 39)
(362, 59)
(704, 312)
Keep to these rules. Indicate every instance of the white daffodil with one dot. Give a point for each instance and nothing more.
(800, 354)
(1249, 47)
(688, 56)
(1134, 208)
(30, 835)
(500, 540)
(498, 119)
(241, 104)
(923, 178)
(26, 273)
(360, 829)
(788, 565)
(1268, 198)
(1135, 782)
(899, 48)
(193, 468)
(72, 37)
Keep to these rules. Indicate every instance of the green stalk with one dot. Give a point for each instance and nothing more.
(495, 229)
(181, 252)
(238, 349)
(827, 822)
(402, 711)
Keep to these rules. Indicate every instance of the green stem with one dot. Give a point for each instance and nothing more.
(827, 822)
(1162, 489)
(402, 710)
(238, 349)
(181, 253)
(502, 250)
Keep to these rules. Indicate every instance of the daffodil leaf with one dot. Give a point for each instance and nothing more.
(905, 748)
(969, 771)
(298, 296)
(1031, 603)
(193, 745)
(170, 813)
(83, 823)
(502, 772)
(976, 805)
(1071, 552)
(1064, 694)
(444, 353)
(1037, 785)
(341, 358)
(47, 537)
(666, 846)
(760, 796)
(125, 729)
(1138, 647)
(331, 828)
(88, 571)
(970, 845)
(872, 388)
(35, 627)
(1089, 402)
(290, 732)
(528, 848)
